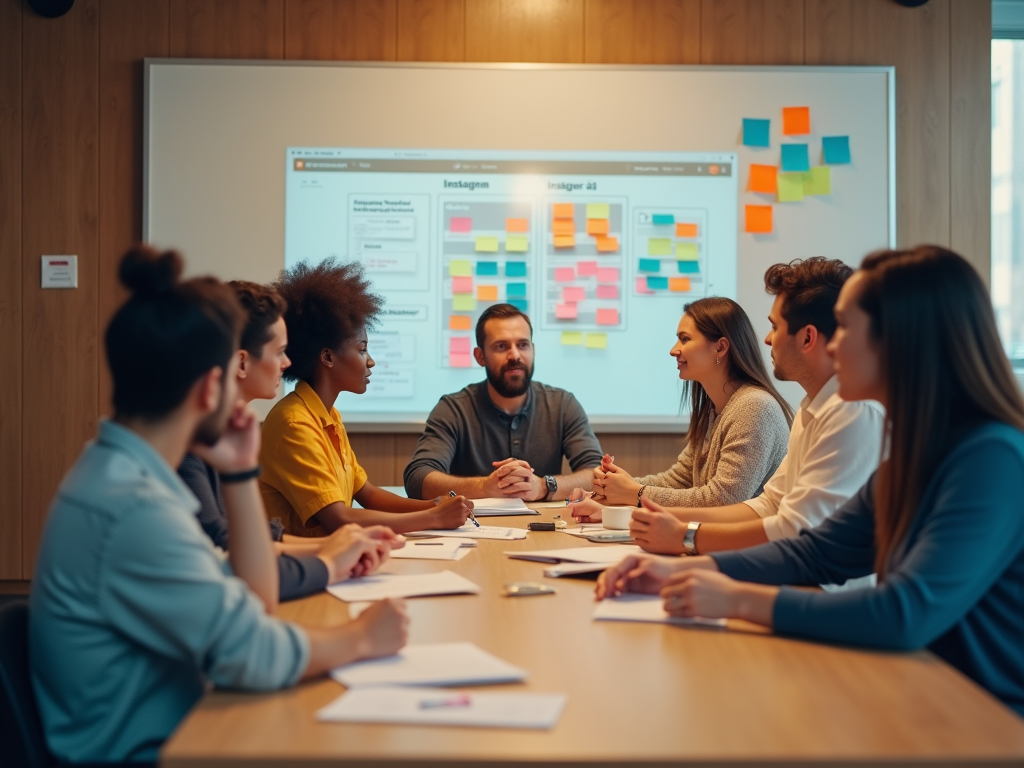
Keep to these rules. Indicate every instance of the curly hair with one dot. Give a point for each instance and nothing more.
(810, 289)
(328, 304)
(264, 307)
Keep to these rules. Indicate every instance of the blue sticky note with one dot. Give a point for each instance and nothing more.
(657, 283)
(488, 268)
(519, 304)
(795, 158)
(515, 269)
(659, 219)
(650, 265)
(688, 267)
(516, 290)
(836, 149)
(755, 132)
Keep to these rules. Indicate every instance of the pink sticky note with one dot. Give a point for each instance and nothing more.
(608, 275)
(586, 268)
(460, 361)
(641, 285)
(573, 293)
(462, 285)
(459, 345)
(607, 317)
(607, 291)
(564, 274)
(565, 311)
(461, 224)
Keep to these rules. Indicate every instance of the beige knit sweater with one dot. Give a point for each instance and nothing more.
(747, 442)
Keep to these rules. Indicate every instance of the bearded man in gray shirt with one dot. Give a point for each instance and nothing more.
(505, 436)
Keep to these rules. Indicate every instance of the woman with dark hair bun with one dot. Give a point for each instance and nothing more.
(940, 522)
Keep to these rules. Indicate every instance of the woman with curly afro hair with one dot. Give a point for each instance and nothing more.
(310, 472)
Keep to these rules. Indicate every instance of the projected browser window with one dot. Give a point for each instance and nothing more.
(601, 250)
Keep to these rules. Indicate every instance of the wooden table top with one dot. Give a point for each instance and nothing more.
(637, 693)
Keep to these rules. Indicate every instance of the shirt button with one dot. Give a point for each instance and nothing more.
(515, 423)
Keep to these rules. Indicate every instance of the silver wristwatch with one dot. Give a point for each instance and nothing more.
(689, 546)
(552, 485)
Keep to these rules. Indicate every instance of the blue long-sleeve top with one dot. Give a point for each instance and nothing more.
(955, 585)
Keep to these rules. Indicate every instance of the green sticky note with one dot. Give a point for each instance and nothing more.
(460, 268)
(463, 302)
(513, 244)
(686, 252)
(572, 339)
(659, 246)
(487, 244)
(818, 181)
(597, 341)
(791, 187)
(597, 210)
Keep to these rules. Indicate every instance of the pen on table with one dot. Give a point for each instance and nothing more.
(472, 517)
(458, 701)
(428, 543)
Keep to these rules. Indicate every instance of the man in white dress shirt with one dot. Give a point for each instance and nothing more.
(834, 445)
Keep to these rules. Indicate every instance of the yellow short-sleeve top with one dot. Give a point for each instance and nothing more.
(307, 462)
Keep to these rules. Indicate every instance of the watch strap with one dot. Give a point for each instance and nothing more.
(690, 538)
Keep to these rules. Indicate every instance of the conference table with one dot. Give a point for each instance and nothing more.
(638, 693)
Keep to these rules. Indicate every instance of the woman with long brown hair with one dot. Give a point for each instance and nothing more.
(942, 520)
(739, 423)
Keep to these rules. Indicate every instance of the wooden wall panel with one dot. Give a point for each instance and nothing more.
(227, 29)
(525, 30)
(10, 290)
(431, 30)
(130, 30)
(917, 42)
(642, 32)
(752, 31)
(340, 30)
(61, 147)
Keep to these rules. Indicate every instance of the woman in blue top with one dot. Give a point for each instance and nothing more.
(942, 520)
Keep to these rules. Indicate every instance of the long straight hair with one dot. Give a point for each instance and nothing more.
(717, 318)
(944, 371)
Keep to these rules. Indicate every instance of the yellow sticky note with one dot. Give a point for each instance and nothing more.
(791, 187)
(596, 341)
(818, 181)
(659, 246)
(686, 252)
(572, 338)
(597, 210)
(487, 244)
(514, 244)
(463, 302)
(565, 241)
(460, 268)
(487, 292)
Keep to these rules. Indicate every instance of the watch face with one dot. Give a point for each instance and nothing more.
(552, 483)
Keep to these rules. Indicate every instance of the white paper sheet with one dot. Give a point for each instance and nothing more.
(573, 569)
(441, 706)
(434, 549)
(430, 664)
(598, 534)
(633, 607)
(382, 585)
(607, 555)
(500, 507)
(470, 531)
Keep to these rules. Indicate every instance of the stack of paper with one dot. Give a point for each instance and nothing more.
(435, 549)
(384, 585)
(599, 555)
(501, 507)
(633, 607)
(430, 664)
(470, 531)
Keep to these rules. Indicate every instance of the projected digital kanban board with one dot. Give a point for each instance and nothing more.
(601, 250)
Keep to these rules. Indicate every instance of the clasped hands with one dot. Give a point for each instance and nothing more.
(353, 551)
(515, 478)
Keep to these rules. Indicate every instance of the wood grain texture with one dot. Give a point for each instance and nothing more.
(525, 30)
(642, 32)
(970, 182)
(752, 32)
(431, 30)
(10, 290)
(917, 42)
(130, 30)
(61, 147)
(227, 29)
(340, 30)
(641, 454)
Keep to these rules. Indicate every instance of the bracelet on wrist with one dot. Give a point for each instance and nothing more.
(639, 494)
(240, 477)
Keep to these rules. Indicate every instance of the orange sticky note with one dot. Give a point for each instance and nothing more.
(796, 120)
(597, 226)
(764, 178)
(487, 293)
(517, 225)
(686, 230)
(680, 284)
(565, 241)
(607, 244)
(607, 317)
(759, 219)
(563, 210)
(563, 227)
(460, 323)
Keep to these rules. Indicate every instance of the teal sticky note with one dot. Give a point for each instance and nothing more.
(835, 149)
(487, 268)
(657, 283)
(650, 265)
(520, 304)
(755, 132)
(795, 158)
(658, 219)
(515, 290)
(688, 267)
(515, 269)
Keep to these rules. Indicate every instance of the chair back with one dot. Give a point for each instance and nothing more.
(21, 729)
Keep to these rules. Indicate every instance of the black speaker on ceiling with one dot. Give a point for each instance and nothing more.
(51, 9)
(911, 3)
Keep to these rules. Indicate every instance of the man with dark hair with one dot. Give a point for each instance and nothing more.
(505, 436)
(834, 445)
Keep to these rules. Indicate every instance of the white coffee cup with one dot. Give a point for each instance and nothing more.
(616, 518)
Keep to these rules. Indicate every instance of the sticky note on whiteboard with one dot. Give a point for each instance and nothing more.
(651, 265)
(459, 345)
(565, 241)
(607, 244)
(562, 211)
(516, 244)
(791, 187)
(679, 284)
(596, 341)
(460, 361)
(586, 268)
(607, 317)
(565, 312)
(487, 268)
(759, 219)
(564, 274)
(795, 158)
(515, 269)
(487, 292)
(597, 210)
(462, 285)
(686, 230)
(607, 291)
(487, 244)
(597, 226)
(659, 246)
(573, 293)
(517, 225)
(687, 252)
(796, 120)
(460, 268)
(755, 132)
(762, 178)
(460, 224)
(608, 275)
(818, 181)
(836, 149)
(515, 290)
(463, 302)
(460, 322)
(572, 338)
(641, 285)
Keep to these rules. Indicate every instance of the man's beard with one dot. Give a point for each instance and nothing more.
(509, 389)
(212, 427)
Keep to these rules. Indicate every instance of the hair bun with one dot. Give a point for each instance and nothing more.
(145, 271)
